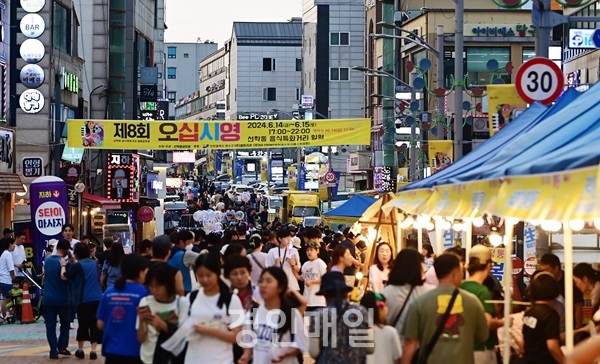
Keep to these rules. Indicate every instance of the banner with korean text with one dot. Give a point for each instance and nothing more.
(504, 105)
(177, 135)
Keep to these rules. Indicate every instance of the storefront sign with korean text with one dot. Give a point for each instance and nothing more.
(178, 135)
(123, 176)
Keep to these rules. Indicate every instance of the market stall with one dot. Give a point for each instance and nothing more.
(544, 173)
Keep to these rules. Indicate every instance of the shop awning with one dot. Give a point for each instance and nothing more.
(104, 202)
(10, 183)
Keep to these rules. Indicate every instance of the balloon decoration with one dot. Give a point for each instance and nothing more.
(211, 221)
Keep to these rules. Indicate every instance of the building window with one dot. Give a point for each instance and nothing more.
(297, 94)
(477, 59)
(339, 74)
(186, 55)
(61, 28)
(268, 64)
(172, 96)
(171, 52)
(172, 73)
(339, 39)
(528, 53)
(298, 64)
(269, 94)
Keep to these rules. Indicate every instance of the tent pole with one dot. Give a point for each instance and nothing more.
(507, 282)
(420, 238)
(569, 319)
(439, 235)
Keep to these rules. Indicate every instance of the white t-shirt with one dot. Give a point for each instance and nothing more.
(18, 256)
(73, 242)
(256, 269)
(169, 312)
(387, 346)
(204, 310)
(267, 346)
(6, 266)
(311, 270)
(377, 277)
(285, 253)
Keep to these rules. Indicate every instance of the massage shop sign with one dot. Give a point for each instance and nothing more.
(186, 135)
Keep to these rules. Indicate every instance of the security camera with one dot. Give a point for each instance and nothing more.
(99, 171)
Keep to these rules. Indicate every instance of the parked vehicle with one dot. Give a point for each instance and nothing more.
(300, 204)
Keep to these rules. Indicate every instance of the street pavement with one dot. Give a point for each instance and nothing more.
(27, 344)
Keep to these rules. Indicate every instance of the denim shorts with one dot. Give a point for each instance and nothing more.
(5, 288)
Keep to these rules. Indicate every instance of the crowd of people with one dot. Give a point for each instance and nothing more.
(271, 292)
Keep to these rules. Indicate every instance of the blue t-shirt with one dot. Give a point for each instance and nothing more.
(112, 273)
(55, 289)
(118, 311)
(85, 274)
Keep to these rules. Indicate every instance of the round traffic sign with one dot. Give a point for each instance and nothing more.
(330, 177)
(539, 79)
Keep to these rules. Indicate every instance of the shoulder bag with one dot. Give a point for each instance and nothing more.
(438, 332)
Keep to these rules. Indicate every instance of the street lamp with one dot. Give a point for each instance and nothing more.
(409, 39)
(79, 188)
(379, 73)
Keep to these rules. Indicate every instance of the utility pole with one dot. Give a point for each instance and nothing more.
(440, 78)
(413, 132)
(57, 119)
(458, 79)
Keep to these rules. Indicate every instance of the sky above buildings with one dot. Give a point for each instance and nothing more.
(212, 20)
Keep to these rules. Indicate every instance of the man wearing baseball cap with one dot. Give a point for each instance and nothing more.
(480, 266)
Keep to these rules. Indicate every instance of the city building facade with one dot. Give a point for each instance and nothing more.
(333, 41)
(505, 35)
(182, 68)
(581, 59)
(34, 95)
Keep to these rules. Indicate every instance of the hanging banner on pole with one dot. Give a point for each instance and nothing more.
(440, 154)
(178, 135)
(504, 105)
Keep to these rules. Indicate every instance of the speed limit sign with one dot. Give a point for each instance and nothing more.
(539, 79)
(330, 177)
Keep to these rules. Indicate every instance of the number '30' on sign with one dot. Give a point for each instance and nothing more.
(539, 79)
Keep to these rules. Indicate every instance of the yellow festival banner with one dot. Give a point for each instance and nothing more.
(554, 196)
(177, 135)
(504, 105)
(264, 170)
(210, 164)
(440, 154)
(229, 167)
(292, 178)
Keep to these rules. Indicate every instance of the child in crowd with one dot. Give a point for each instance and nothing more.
(158, 316)
(311, 274)
(16, 295)
(387, 349)
(119, 341)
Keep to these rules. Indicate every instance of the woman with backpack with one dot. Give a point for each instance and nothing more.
(216, 314)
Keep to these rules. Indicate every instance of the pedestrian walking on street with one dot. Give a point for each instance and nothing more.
(118, 311)
(444, 322)
(56, 299)
(215, 314)
(85, 275)
(7, 271)
(387, 339)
